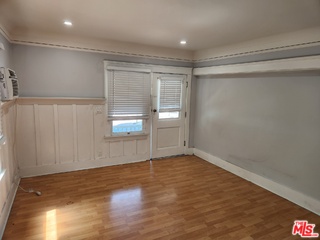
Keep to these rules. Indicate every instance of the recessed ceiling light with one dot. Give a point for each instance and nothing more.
(183, 42)
(67, 23)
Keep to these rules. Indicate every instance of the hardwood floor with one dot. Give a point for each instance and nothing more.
(174, 198)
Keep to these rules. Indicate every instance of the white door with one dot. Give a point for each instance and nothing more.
(168, 115)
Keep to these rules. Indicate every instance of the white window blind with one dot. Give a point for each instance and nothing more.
(128, 94)
(170, 94)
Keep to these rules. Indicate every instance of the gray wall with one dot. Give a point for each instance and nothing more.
(51, 72)
(6, 55)
(269, 125)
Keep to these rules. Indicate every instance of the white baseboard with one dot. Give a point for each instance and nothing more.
(189, 151)
(294, 196)
(8, 205)
(76, 166)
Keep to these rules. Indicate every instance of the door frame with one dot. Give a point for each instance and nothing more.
(158, 123)
(179, 71)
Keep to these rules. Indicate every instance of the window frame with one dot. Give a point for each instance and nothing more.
(130, 67)
(143, 131)
(165, 77)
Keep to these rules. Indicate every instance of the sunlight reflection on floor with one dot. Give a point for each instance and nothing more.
(134, 195)
(128, 197)
(51, 225)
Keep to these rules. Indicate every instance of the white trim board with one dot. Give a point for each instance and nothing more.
(294, 196)
(146, 67)
(57, 100)
(283, 65)
(189, 151)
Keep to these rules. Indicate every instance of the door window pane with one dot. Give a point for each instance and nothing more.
(168, 115)
(170, 93)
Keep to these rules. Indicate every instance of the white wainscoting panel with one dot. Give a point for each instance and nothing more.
(101, 147)
(85, 132)
(26, 137)
(9, 175)
(142, 146)
(59, 135)
(45, 132)
(129, 148)
(65, 134)
(116, 149)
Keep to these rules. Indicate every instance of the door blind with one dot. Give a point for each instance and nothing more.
(170, 94)
(128, 94)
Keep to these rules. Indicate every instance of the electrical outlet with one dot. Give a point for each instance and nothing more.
(99, 154)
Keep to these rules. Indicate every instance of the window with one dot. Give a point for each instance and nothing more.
(128, 100)
(170, 97)
(121, 126)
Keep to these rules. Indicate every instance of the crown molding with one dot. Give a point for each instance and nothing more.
(101, 46)
(99, 50)
(287, 41)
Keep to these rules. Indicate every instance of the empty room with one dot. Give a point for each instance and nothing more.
(159, 119)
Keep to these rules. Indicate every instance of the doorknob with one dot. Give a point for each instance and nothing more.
(154, 110)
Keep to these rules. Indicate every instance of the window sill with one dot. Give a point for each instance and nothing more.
(127, 137)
